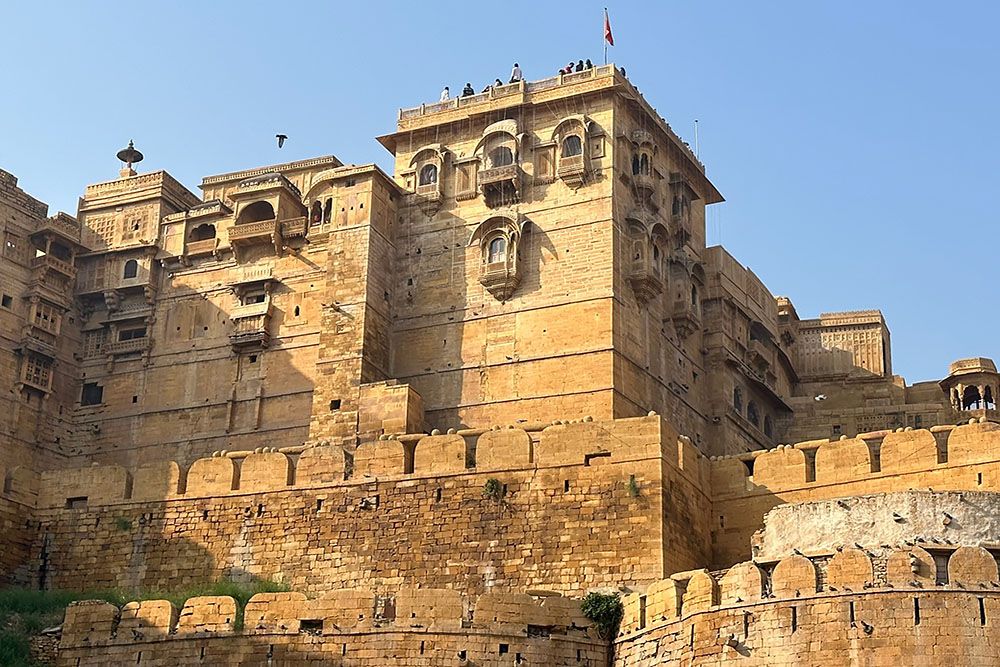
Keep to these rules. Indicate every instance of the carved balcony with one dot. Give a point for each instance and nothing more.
(60, 225)
(122, 347)
(500, 279)
(294, 228)
(501, 185)
(644, 185)
(645, 282)
(572, 170)
(38, 340)
(759, 353)
(250, 326)
(45, 263)
(204, 247)
(685, 318)
(36, 373)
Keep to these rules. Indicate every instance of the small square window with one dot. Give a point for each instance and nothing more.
(334, 404)
(93, 394)
(135, 399)
(253, 358)
(6, 301)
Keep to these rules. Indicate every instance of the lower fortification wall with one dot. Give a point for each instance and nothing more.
(15, 544)
(746, 487)
(905, 607)
(570, 508)
(345, 627)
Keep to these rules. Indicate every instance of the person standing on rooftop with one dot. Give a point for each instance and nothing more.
(579, 66)
(445, 94)
(468, 90)
(515, 73)
(588, 64)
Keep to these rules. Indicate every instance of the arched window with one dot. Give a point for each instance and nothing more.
(768, 426)
(635, 165)
(971, 398)
(428, 175)
(675, 208)
(572, 146)
(316, 216)
(256, 212)
(327, 209)
(501, 156)
(694, 297)
(753, 415)
(131, 269)
(497, 250)
(644, 165)
(203, 233)
(738, 399)
(656, 259)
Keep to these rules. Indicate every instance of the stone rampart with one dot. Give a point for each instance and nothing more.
(850, 609)
(630, 506)
(346, 626)
(746, 487)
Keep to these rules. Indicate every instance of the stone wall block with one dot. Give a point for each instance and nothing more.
(148, 619)
(974, 443)
(509, 448)
(850, 569)
(211, 477)
(909, 566)
(702, 593)
(100, 485)
(972, 567)
(780, 469)
(435, 608)
(265, 471)
(88, 622)
(843, 461)
(794, 576)
(278, 613)
(209, 614)
(343, 609)
(439, 453)
(324, 464)
(379, 458)
(743, 582)
(908, 451)
(510, 611)
(155, 481)
(663, 600)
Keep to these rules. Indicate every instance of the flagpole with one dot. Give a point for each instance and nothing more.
(604, 35)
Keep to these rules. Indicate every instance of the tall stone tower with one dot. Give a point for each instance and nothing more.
(550, 254)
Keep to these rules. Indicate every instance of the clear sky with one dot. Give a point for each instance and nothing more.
(857, 143)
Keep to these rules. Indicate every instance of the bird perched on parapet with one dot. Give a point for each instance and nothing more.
(281, 139)
(819, 397)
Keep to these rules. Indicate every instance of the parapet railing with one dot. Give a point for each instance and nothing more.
(94, 622)
(851, 570)
(867, 456)
(506, 90)
(578, 443)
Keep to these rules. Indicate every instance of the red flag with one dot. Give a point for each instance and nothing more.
(607, 29)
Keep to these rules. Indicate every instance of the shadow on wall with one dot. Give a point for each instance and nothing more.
(417, 624)
(215, 370)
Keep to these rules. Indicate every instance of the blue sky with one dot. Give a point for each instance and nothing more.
(857, 143)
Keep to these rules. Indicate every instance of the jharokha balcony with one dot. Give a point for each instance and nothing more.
(501, 185)
(123, 347)
(250, 325)
(53, 263)
(294, 228)
(263, 231)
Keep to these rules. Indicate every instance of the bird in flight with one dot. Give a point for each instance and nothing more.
(281, 139)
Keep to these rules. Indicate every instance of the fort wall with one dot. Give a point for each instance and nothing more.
(607, 488)
(847, 610)
(745, 488)
(346, 626)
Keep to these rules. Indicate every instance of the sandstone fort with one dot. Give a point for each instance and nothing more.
(444, 404)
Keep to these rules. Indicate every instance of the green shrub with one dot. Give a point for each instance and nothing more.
(493, 489)
(605, 611)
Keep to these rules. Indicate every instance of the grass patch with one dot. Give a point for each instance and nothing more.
(24, 612)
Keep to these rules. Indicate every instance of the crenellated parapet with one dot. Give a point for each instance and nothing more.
(942, 458)
(848, 608)
(581, 442)
(437, 625)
